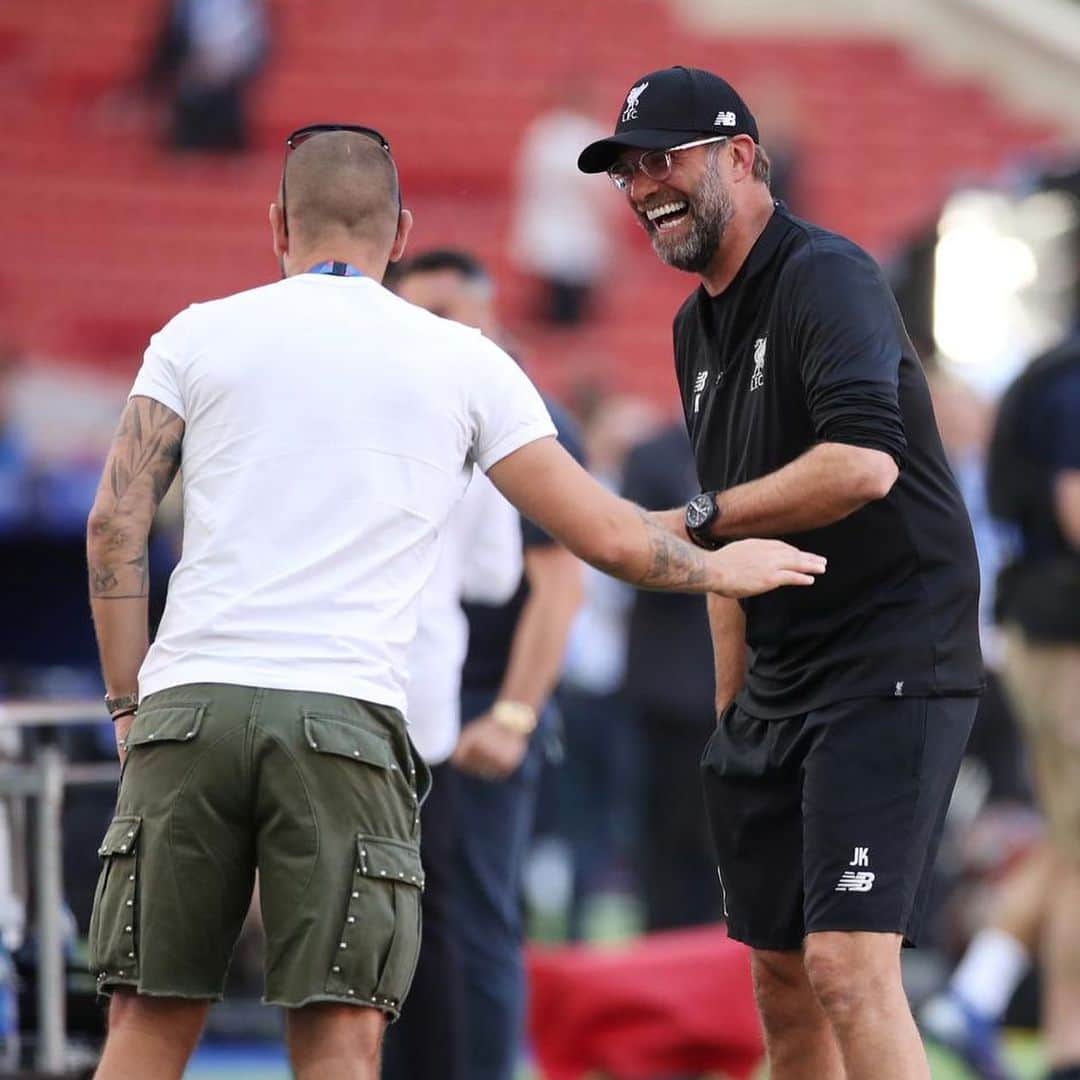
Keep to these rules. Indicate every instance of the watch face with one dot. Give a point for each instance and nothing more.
(699, 510)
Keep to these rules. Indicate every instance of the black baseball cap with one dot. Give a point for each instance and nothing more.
(668, 107)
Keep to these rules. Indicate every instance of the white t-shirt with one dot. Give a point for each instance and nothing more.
(480, 560)
(330, 428)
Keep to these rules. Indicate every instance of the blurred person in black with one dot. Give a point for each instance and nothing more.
(513, 663)
(965, 1014)
(206, 55)
(1034, 482)
(670, 682)
(845, 710)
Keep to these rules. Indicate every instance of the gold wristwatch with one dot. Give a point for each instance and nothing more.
(515, 716)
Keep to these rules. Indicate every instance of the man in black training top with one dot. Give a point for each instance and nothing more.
(838, 744)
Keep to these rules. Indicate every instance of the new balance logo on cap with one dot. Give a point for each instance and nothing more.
(725, 119)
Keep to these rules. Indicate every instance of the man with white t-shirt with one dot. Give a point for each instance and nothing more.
(326, 429)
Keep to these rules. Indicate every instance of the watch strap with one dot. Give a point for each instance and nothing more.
(122, 705)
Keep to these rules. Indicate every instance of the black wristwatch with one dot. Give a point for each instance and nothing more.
(701, 513)
(121, 706)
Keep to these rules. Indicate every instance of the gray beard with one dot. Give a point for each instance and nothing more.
(710, 211)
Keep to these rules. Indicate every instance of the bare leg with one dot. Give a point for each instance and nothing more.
(150, 1037)
(335, 1042)
(798, 1038)
(856, 977)
(1021, 900)
(1061, 973)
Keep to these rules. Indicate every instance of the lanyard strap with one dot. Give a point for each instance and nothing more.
(338, 269)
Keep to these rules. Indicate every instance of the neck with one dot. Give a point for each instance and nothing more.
(740, 236)
(301, 259)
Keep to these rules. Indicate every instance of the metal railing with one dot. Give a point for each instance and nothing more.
(45, 781)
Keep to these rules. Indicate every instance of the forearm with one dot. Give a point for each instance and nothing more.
(827, 483)
(537, 649)
(121, 628)
(1067, 504)
(728, 626)
(118, 568)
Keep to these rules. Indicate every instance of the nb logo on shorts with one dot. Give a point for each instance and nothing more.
(852, 881)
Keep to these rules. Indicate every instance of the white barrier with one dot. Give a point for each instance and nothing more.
(45, 781)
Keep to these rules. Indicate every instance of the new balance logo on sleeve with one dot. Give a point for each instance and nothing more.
(700, 380)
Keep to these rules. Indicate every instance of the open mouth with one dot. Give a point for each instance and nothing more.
(668, 215)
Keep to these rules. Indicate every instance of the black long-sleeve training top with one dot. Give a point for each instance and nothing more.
(805, 346)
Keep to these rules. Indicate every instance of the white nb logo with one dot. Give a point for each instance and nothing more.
(850, 881)
(700, 380)
(630, 112)
(724, 119)
(757, 380)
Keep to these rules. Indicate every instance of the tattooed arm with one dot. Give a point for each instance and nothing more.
(142, 462)
(545, 483)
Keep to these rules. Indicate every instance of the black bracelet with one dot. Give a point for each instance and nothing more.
(123, 712)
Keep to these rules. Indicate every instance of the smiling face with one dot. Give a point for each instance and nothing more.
(686, 214)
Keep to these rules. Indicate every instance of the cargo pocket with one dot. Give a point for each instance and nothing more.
(329, 736)
(165, 723)
(113, 938)
(376, 955)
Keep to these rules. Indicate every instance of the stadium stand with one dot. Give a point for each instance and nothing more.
(108, 235)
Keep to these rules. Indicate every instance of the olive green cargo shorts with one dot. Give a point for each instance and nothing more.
(318, 793)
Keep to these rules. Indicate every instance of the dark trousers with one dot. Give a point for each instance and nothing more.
(599, 793)
(678, 865)
(493, 823)
(428, 1042)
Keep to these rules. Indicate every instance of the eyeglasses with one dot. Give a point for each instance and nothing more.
(301, 136)
(655, 164)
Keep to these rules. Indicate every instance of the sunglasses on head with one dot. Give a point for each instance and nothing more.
(301, 136)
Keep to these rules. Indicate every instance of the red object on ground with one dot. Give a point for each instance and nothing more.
(669, 1003)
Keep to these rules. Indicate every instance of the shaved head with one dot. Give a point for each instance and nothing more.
(341, 183)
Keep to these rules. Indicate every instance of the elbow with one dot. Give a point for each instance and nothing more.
(875, 475)
(609, 553)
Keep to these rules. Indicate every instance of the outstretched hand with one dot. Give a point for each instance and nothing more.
(751, 567)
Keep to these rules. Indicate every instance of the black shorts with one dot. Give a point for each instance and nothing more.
(830, 820)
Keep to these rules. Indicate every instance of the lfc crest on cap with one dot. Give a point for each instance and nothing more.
(630, 113)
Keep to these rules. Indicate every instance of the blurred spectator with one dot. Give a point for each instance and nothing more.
(669, 678)
(205, 57)
(480, 560)
(964, 1015)
(15, 480)
(776, 107)
(598, 783)
(1034, 483)
(514, 659)
(561, 222)
(965, 420)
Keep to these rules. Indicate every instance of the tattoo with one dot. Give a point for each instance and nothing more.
(675, 563)
(152, 443)
(102, 579)
(143, 462)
